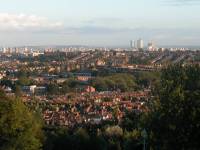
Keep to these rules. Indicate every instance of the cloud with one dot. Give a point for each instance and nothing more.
(22, 29)
(25, 22)
(182, 2)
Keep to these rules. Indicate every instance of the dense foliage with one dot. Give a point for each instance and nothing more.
(123, 82)
(20, 129)
(174, 118)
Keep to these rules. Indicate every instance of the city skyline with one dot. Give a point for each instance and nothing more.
(98, 23)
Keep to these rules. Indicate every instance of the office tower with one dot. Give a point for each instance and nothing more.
(140, 44)
(135, 44)
(131, 43)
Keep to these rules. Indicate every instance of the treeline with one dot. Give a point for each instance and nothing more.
(123, 82)
(173, 117)
(171, 122)
(108, 82)
(93, 137)
(114, 82)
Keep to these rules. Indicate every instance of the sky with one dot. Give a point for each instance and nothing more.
(99, 22)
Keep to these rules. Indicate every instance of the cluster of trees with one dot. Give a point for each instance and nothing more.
(123, 82)
(20, 129)
(70, 85)
(171, 121)
(91, 137)
(126, 82)
(147, 79)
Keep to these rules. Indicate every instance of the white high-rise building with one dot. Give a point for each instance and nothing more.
(140, 43)
(135, 44)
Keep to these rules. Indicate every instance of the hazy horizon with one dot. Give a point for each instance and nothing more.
(99, 23)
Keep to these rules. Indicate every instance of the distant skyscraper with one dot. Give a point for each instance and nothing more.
(135, 44)
(140, 43)
(131, 43)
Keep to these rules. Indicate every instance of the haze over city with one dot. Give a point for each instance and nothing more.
(99, 23)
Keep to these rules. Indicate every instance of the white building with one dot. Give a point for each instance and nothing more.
(135, 44)
(140, 43)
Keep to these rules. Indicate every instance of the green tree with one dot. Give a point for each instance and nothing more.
(132, 140)
(53, 89)
(18, 91)
(131, 121)
(146, 79)
(114, 136)
(124, 82)
(81, 140)
(174, 118)
(58, 139)
(19, 128)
